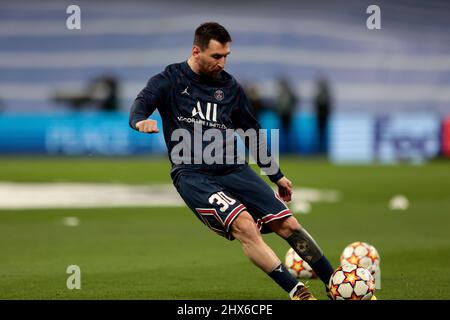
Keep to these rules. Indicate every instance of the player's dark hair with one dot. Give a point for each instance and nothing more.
(210, 30)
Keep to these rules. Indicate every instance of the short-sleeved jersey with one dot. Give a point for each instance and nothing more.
(186, 100)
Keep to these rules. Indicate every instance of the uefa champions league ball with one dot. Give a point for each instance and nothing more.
(361, 253)
(298, 267)
(351, 282)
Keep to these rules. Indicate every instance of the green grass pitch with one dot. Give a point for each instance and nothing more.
(166, 253)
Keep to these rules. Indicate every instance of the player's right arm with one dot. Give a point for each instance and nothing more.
(147, 126)
(151, 97)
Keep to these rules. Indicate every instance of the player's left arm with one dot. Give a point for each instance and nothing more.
(285, 189)
(243, 118)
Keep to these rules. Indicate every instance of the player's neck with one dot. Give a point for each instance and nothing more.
(194, 66)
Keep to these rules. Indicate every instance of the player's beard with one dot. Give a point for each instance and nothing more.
(209, 73)
(215, 75)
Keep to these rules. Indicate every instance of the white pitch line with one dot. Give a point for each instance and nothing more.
(84, 195)
(106, 195)
(304, 197)
(316, 195)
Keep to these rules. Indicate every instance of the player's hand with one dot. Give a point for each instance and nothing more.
(285, 189)
(147, 126)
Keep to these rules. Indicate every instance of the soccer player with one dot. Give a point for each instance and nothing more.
(229, 198)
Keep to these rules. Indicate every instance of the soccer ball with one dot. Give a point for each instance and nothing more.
(298, 267)
(351, 282)
(361, 253)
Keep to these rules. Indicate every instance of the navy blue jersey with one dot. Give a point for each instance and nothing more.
(185, 99)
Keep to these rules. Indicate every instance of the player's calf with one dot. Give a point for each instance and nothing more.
(245, 230)
(305, 246)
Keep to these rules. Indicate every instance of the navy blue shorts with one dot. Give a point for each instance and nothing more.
(217, 200)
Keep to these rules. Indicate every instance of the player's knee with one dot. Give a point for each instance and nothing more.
(244, 229)
(285, 227)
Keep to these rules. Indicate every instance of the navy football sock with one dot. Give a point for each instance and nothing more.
(323, 269)
(283, 278)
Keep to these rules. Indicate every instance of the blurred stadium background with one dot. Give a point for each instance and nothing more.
(78, 186)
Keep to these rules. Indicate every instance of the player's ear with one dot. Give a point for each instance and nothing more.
(195, 51)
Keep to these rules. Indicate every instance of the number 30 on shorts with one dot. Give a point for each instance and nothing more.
(222, 200)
